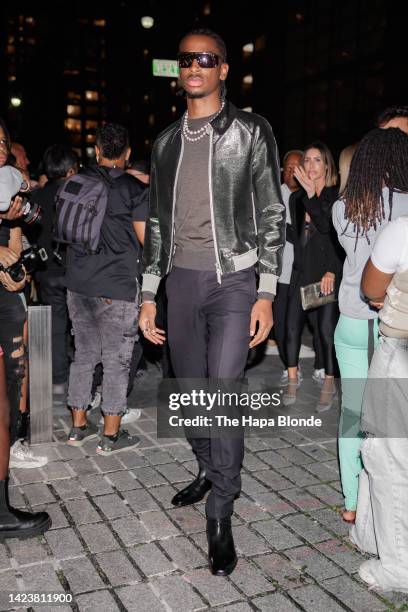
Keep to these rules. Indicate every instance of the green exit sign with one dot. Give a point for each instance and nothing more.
(165, 68)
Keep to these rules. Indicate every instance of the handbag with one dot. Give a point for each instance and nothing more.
(312, 297)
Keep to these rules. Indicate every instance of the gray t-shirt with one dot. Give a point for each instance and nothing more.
(288, 252)
(351, 302)
(193, 228)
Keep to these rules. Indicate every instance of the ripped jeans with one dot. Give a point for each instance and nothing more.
(105, 331)
(12, 317)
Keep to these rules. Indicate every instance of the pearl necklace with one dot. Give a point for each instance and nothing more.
(194, 135)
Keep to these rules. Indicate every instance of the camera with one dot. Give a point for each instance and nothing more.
(30, 258)
(31, 211)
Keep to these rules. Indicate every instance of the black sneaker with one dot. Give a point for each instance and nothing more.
(79, 435)
(109, 445)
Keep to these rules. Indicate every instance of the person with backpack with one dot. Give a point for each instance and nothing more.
(100, 215)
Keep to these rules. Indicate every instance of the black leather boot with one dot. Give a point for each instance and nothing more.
(194, 492)
(221, 550)
(18, 524)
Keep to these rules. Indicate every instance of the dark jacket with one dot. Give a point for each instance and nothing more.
(322, 252)
(245, 198)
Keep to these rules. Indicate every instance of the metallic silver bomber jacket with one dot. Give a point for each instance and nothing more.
(247, 210)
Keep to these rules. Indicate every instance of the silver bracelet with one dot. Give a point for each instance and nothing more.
(148, 302)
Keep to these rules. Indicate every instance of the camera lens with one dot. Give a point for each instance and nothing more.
(31, 212)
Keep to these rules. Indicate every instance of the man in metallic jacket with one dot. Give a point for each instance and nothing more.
(216, 212)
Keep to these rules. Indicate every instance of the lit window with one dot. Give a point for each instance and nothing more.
(147, 142)
(248, 79)
(146, 98)
(12, 78)
(92, 95)
(151, 119)
(73, 95)
(10, 49)
(90, 138)
(74, 110)
(90, 151)
(147, 22)
(248, 48)
(173, 109)
(91, 125)
(31, 41)
(248, 109)
(145, 52)
(207, 9)
(173, 84)
(100, 23)
(73, 125)
(10, 40)
(30, 20)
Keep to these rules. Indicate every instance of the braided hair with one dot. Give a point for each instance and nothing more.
(381, 159)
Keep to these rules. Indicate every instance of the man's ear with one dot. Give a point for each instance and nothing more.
(224, 71)
(128, 152)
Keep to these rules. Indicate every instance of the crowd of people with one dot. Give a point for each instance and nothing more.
(224, 248)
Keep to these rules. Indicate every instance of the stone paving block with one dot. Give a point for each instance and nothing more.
(317, 452)
(107, 464)
(158, 525)
(274, 459)
(149, 477)
(56, 470)
(327, 494)
(253, 463)
(300, 477)
(81, 575)
(275, 603)
(83, 467)
(188, 519)
(131, 531)
(38, 494)
(192, 467)
(117, 567)
(98, 538)
(322, 472)
(16, 498)
(236, 607)
(351, 594)
(133, 460)
(183, 553)
(347, 558)
(249, 579)
(295, 455)
(70, 452)
(64, 543)
(157, 456)
(112, 506)
(281, 571)
(273, 481)
(68, 489)
(312, 562)
(174, 472)
(274, 504)
(4, 558)
(24, 476)
(140, 597)
(151, 560)
(164, 494)
(251, 486)
(249, 510)
(82, 511)
(58, 518)
(306, 527)
(181, 452)
(27, 551)
(302, 499)
(40, 578)
(214, 590)
(332, 520)
(258, 444)
(140, 500)
(178, 594)
(95, 485)
(313, 599)
(124, 480)
(98, 600)
(249, 543)
(276, 534)
(8, 583)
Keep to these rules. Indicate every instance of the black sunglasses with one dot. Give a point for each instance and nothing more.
(204, 60)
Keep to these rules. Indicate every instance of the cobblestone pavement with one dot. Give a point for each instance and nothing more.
(116, 542)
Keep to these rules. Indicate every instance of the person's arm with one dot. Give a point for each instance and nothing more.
(140, 227)
(16, 240)
(374, 283)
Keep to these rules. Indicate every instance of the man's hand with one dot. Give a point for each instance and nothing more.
(307, 183)
(7, 257)
(147, 323)
(327, 283)
(377, 305)
(262, 314)
(9, 284)
(15, 211)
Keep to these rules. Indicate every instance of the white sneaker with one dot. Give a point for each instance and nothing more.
(271, 349)
(285, 377)
(131, 415)
(319, 376)
(306, 352)
(22, 457)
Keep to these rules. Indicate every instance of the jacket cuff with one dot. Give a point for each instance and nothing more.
(267, 283)
(151, 283)
(264, 295)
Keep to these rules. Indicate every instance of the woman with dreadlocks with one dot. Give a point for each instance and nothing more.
(376, 192)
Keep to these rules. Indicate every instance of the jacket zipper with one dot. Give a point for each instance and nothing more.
(172, 246)
(217, 262)
(254, 213)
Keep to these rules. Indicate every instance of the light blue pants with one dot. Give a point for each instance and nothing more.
(352, 340)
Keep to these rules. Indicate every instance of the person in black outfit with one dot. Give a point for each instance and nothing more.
(59, 162)
(316, 258)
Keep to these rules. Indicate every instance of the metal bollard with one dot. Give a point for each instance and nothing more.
(40, 373)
